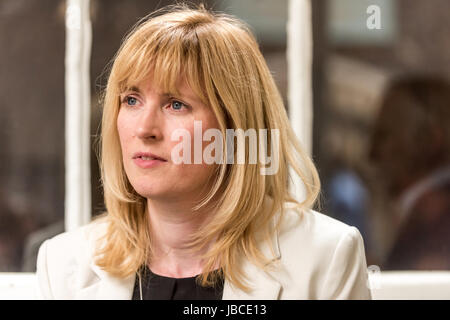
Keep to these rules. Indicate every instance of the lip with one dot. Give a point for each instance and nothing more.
(146, 164)
(147, 154)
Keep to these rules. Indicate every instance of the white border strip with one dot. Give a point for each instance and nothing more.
(411, 285)
(386, 285)
(299, 60)
(77, 125)
(18, 286)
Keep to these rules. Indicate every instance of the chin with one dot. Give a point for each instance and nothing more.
(143, 187)
(150, 191)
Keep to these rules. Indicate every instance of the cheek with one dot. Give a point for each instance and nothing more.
(125, 138)
(123, 129)
(197, 143)
(192, 170)
(197, 178)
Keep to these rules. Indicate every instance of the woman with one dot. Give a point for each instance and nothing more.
(178, 225)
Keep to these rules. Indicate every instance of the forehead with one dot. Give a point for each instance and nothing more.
(166, 76)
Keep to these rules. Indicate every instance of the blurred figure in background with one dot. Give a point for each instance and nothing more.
(349, 200)
(410, 146)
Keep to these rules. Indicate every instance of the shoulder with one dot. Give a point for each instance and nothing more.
(324, 252)
(315, 228)
(311, 219)
(62, 255)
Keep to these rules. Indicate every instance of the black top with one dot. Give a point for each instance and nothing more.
(156, 287)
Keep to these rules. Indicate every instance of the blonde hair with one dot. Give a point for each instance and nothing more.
(220, 59)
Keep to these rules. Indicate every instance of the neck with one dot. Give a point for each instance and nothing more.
(171, 225)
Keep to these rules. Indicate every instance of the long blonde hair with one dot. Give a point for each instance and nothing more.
(221, 61)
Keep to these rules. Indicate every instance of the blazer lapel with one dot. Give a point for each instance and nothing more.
(263, 287)
(107, 287)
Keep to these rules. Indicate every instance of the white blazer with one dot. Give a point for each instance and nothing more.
(319, 258)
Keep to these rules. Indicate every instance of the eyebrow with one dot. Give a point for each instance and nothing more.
(134, 88)
(168, 94)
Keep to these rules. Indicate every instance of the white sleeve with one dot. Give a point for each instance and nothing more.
(347, 276)
(43, 290)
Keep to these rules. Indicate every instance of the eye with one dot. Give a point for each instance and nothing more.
(177, 105)
(131, 101)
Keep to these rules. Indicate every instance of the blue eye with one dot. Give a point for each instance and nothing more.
(177, 105)
(131, 101)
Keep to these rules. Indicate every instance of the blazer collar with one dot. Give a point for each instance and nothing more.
(263, 286)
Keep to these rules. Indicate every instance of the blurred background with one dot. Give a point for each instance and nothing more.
(381, 103)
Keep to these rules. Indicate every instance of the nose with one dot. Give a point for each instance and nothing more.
(149, 123)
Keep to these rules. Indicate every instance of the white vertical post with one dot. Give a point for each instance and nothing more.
(77, 122)
(299, 59)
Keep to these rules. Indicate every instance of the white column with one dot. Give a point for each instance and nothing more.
(299, 59)
(78, 108)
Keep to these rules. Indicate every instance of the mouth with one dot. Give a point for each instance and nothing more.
(149, 158)
(146, 160)
(146, 156)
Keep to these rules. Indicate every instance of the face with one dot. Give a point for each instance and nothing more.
(145, 123)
